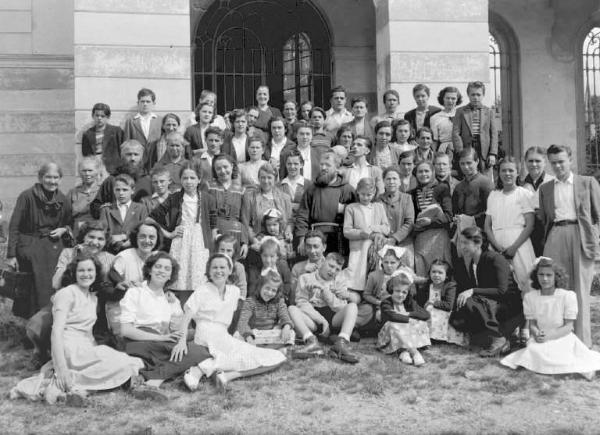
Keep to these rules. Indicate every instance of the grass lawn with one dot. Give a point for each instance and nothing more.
(455, 392)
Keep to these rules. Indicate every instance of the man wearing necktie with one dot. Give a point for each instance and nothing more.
(474, 126)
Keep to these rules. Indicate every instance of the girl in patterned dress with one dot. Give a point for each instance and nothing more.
(405, 322)
(438, 296)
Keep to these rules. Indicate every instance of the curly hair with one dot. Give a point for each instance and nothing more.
(88, 227)
(561, 279)
(70, 275)
(445, 265)
(133, 236)
(151, 261)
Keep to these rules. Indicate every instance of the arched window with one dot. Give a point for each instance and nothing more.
(505, 93)
(297, 69)
(591, 99)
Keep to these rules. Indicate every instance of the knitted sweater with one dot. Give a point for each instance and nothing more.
(258, 314)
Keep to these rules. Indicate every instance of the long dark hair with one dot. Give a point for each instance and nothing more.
(70, 275)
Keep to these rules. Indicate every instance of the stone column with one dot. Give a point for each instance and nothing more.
(436, 42)
(123, 46)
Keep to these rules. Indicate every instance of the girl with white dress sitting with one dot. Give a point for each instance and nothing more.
(550, 312)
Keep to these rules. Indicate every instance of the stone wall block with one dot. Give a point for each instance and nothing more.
(15, 21)
(134, 62)
(174, 7)
(439, 10)
(30, 100)
(439, 67)
(35, 78)
(36, 122)
(36, 143)
(15, 43)
(440, 37)
(28, 164)
(15, 5)
(132, 29)
(53, 29)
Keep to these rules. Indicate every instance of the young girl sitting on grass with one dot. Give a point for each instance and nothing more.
(270, 260)
(405, 322)
(550, 312)
(228, 244)
(438, 296)
(264, 319)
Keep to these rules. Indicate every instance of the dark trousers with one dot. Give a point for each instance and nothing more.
(156, 355)
(485, 315)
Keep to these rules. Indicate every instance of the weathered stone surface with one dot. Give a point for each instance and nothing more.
(133, 62)
(439, 10)
(439, 67)
(36, 143)
(35, 78)
(15, 43)
(420, 36)
(37, 122)
(31, 100)
(132, 29)
(171, 94)
(28, 164)
(135, 6)
(15, 21)
(53, 29)
(16, 5)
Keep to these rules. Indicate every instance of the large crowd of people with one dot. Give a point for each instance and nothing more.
(219, 246)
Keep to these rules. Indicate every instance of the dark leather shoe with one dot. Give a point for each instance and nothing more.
(341, 350)
(498, 346)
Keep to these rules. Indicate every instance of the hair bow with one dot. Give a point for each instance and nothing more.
(398, 251)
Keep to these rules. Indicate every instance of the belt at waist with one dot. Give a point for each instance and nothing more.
(565, 222)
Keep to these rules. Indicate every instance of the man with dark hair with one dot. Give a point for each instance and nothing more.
(337, 115)
(570, 212)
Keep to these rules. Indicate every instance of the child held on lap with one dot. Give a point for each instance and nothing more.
(264, 318)
(437, 296)
(550, 313)
(324, 302)
(405, 322)
(270, 260)
(273, 227)
(391, 265)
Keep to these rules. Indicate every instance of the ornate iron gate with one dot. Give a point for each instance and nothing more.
(240, 45)
(591, 90)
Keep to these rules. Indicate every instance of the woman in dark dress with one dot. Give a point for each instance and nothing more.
(489, 302)
(38, 229)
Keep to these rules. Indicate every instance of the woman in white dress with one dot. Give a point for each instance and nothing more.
(212, 306)
(78, 364)
(509, 222)
(550, 313)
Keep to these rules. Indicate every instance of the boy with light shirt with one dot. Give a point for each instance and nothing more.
(314, 243)
(144, 126)
(322, 302)
(337, 115)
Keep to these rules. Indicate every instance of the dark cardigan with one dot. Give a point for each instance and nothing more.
(448, 295)
(415, 311)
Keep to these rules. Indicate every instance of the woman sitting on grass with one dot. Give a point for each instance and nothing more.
(78, 364)
(150, 323)
(550, 313)
(212, 306)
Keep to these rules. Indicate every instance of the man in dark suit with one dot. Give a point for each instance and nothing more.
(474, 126)
(570, 212)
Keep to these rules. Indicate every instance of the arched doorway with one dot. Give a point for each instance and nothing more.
(241, 44)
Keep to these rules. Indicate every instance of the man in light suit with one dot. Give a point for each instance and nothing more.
(570, 212)
(144, 126)
(474, 126)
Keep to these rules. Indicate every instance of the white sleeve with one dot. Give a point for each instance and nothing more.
(570, 305)
(129, 305)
